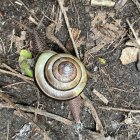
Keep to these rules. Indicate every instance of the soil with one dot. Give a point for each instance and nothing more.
(120, 84)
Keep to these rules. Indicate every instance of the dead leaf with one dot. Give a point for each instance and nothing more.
(129, 55)
(104, 32)
(19, 41)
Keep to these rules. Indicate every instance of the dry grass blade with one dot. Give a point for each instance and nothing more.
(68, 27)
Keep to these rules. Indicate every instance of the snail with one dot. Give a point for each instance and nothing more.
(61, 77)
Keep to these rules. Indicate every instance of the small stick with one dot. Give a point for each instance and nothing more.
(68, 27)
(130, 26)
(99, 95)
(107, 3)
(50, 36)
(88, 103)
(9, 68)
(137, 4)
(12, 40)
(38, 111)
(6, 98)
(28, 9)
(25, 78)
(14, 84)
(44, 113)
(49, 18)
(2, 44)
(22, 25)
(8, 123)
(120, 109)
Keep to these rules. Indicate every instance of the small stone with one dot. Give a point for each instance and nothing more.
(129, 55)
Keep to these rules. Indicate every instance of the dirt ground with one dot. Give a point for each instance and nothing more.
(100, 27)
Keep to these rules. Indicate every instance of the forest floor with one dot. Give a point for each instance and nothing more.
(102, 33)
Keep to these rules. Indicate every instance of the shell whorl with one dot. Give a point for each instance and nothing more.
(60, 76)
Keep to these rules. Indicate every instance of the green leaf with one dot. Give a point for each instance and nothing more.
(25, 67)
(26, 54)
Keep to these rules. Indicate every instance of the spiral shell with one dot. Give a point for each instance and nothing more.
(60, 76)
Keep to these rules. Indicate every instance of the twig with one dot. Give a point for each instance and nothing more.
(50, 36)
(22, 25)
(46, 114)
(107, 3)
(2, 44)
(14, 84)
(9, 68)
(25, 78)
(137, 4)
(37, 111)
(120, 109)
(134, 33)
(120, 3)
(99, 95)
(123, 90)
(12, 40)
(88, 103)
(28, 10)
(130, 26)
(49, 18)
(12, 105)
(8, 123)
(68, 27)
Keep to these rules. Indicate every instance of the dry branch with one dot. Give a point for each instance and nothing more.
(31, 110)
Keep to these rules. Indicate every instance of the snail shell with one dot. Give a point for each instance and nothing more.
(60, 76)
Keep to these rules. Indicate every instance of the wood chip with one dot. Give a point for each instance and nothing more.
(107, 3)
(105, 100)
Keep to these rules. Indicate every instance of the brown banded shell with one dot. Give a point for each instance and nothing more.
(60, 76)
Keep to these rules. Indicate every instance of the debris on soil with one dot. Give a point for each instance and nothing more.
(107, 3)
(129, 55)
(24, 132)
(119, 4)
(102, 61)
(102, 98)
(104, 32)
(19, 41)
